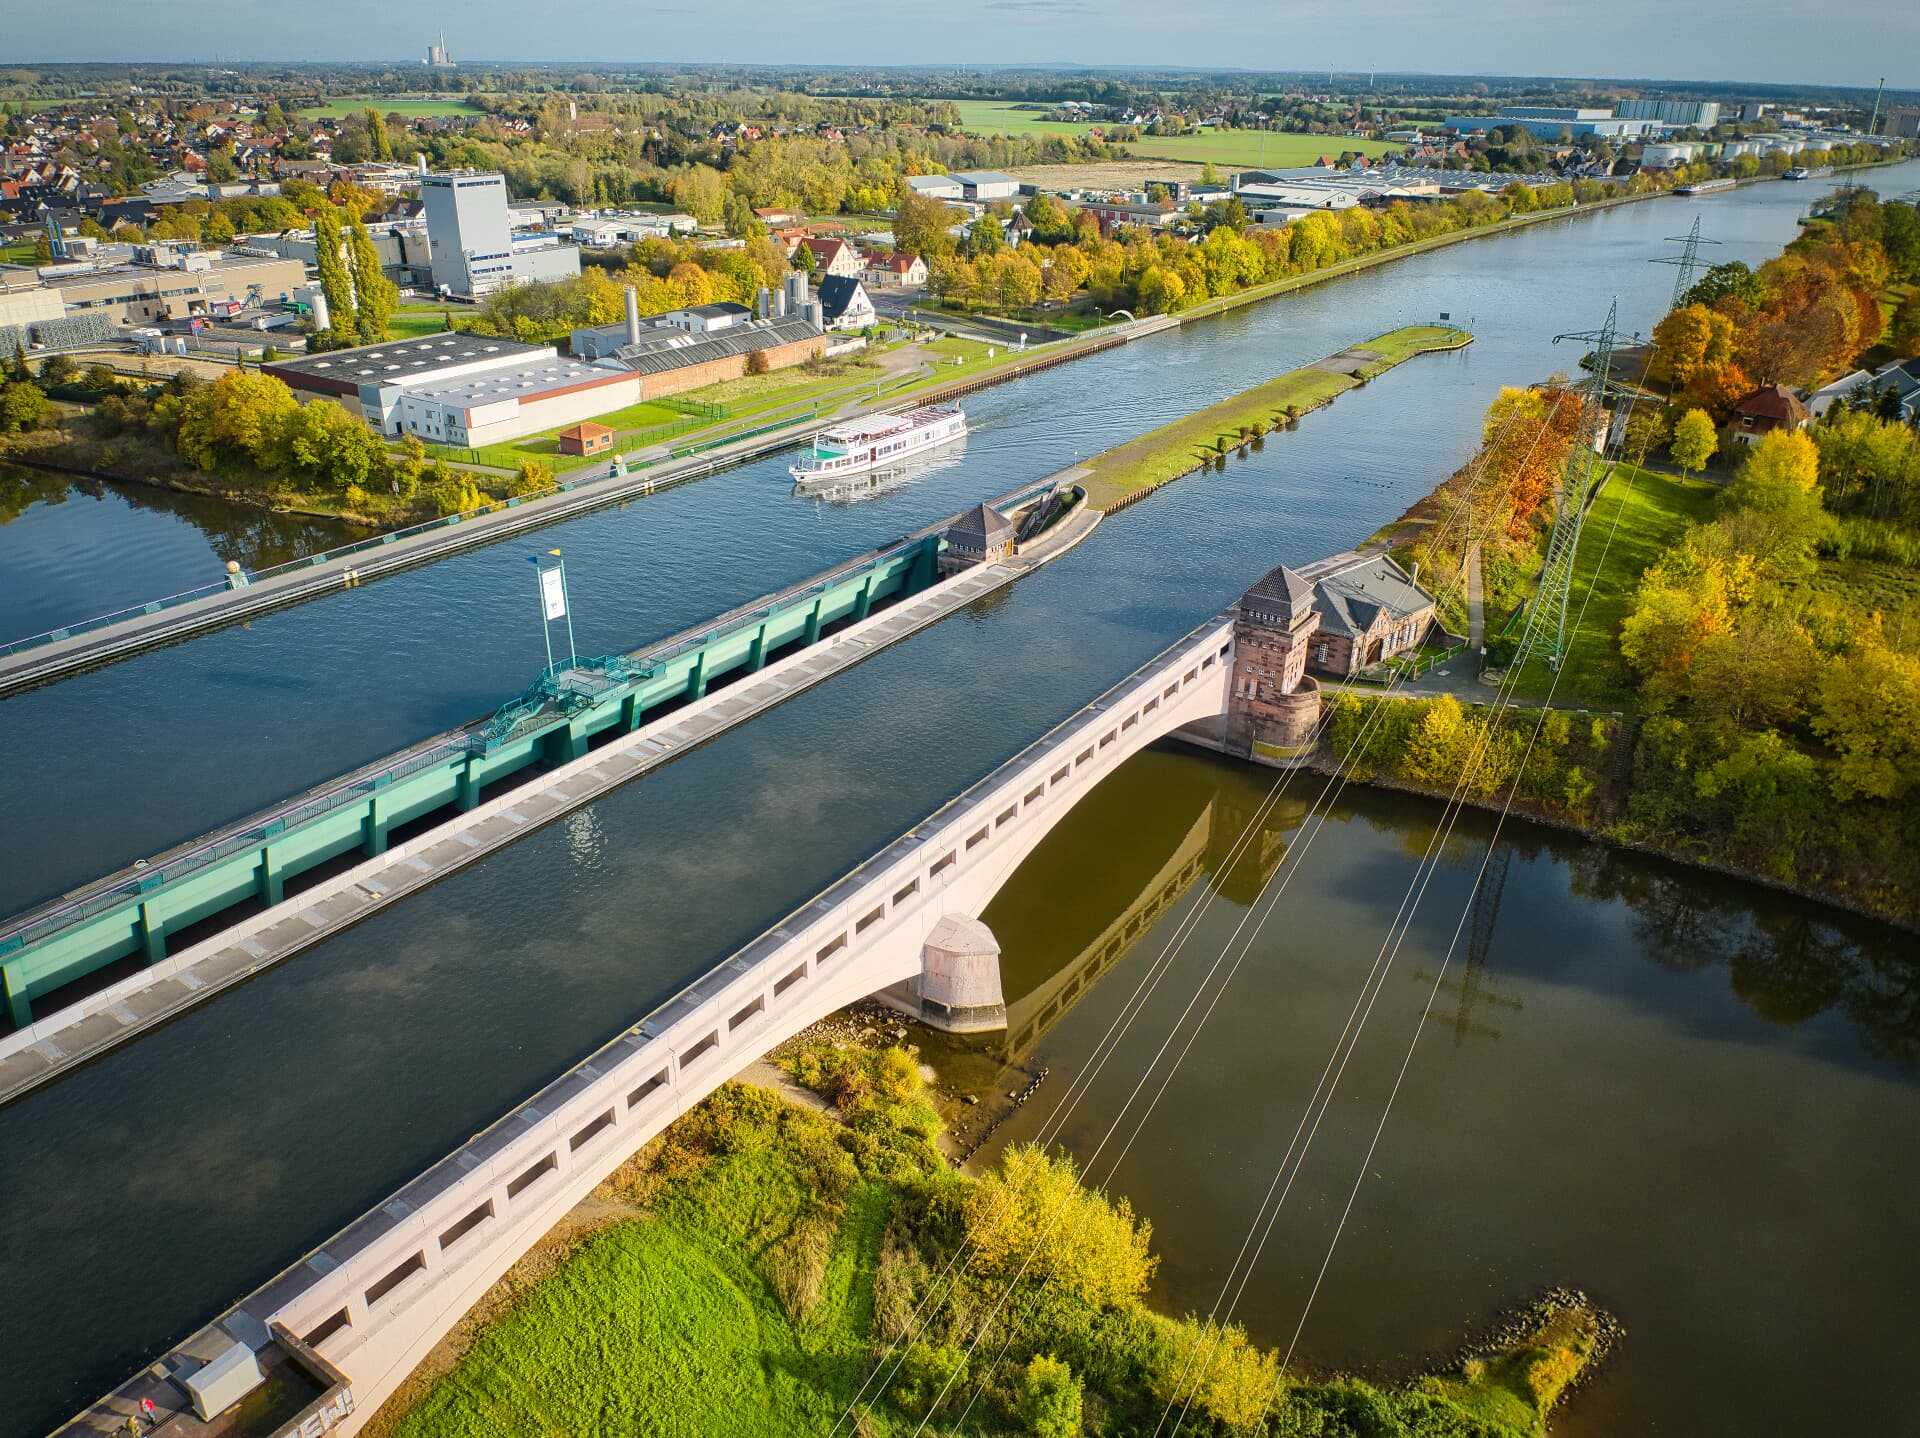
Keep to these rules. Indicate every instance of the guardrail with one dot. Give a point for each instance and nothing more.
(360, 546)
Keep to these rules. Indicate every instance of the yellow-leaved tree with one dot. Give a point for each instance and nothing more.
(1032, 1218)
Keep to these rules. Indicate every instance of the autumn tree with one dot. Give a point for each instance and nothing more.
(1689, 340)
(1527, 435)
(920, 225)
(336, 283)
(1867, 706)
(375, 296)
(1694, 441)
(378, 140)
(1032, 1217)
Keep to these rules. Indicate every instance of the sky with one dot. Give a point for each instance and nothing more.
(1842, 42)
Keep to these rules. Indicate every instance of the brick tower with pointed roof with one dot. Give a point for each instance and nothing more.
(1273, 707)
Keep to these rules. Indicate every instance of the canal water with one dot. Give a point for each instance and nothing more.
(73, 549)
(234, 720)
(143, 1193)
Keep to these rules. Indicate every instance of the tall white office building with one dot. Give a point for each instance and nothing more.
(475, 251)
(468, 229)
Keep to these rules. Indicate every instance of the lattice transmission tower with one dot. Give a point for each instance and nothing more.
(1546, 628)
(1687, 261)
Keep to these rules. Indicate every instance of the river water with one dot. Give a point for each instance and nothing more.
(1693, 1099)
(149, 1189)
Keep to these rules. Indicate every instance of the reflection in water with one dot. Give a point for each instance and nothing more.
(1476, 986)
(77, 548)
(1683, 1093)
(1788, 963)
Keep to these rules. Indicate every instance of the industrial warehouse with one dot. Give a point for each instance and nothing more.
(471, 390)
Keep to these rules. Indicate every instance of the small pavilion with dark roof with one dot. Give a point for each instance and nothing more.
(982, 535)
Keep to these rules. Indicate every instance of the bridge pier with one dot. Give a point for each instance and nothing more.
(958, 988)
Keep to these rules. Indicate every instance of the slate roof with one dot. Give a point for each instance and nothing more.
(1283, 590)
(1351, 598)
(835, 293)
(982, 526)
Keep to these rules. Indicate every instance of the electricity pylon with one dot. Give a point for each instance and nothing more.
(1688, 261)
(1546, 628)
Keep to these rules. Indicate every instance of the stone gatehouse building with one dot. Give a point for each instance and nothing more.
(1336, 617)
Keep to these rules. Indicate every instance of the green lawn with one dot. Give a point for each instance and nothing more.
(17, 254)
(1250, 148)
(1637, 515)
(668, 1328)
(1175, 448)
(644, 423)
(417, 320)
(414, 109)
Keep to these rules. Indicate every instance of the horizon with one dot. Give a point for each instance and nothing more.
(1728, 44)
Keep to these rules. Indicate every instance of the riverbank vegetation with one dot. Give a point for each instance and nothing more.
(1764, 629)
(765, 1268)
(242, 436)
(1206, 436)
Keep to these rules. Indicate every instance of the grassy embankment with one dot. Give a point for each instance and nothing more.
(1188, 444)
(1637, 515)
(1273, 149)
(745, 1272)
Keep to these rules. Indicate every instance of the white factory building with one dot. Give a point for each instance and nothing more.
(519, 398)
(460, 389)
(475, 250)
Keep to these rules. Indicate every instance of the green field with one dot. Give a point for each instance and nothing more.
(646, 423)
(1636, 517)
(413, 109)
(1249, 148)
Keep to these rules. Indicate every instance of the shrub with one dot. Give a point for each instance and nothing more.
(1050, 1399)
(926, 1374)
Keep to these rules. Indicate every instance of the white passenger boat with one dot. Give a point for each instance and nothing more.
(1808, 172)
(876, 441)
(1702, 187)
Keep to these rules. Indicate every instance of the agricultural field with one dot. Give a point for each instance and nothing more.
(413, 109)
(1236, 148)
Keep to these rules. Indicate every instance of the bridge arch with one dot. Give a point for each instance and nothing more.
(372, 1301)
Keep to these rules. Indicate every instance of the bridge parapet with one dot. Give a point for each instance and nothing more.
(379, 1294)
